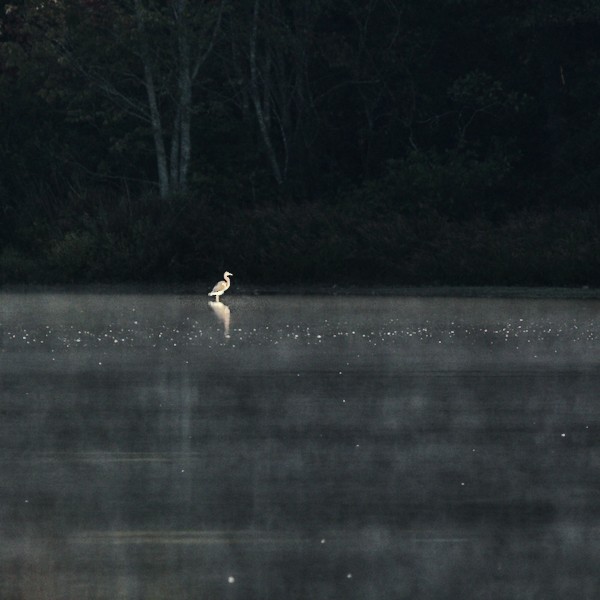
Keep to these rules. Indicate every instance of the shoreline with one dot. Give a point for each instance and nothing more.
(521, 292)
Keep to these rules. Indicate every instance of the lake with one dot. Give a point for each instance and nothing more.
(160, 446)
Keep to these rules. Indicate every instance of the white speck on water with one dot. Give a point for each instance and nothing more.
(323, 541)
(231, 579)
(462, 483)
(563, 435)
(349, 576)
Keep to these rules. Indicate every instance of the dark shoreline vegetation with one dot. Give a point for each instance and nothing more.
(313, 243)
(447, 144)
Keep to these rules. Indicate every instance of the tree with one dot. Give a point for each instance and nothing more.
(271, 43)
(145, 57)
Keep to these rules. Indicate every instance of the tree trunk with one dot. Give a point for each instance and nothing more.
(261, 117)
(157, 130)
(185, 106)
(175, 145)
(157, 134)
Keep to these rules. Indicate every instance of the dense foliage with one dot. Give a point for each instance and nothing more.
(404, 141)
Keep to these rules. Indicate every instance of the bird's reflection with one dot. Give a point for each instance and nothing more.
(223, 313)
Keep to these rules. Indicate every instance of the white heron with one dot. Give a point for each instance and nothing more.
(221, 286)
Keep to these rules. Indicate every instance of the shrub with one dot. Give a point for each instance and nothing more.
(352, 240)
(15, 267)
(72, 256)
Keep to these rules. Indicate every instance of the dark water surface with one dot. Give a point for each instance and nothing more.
(157, 447)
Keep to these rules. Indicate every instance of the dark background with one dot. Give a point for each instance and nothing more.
(304, 141)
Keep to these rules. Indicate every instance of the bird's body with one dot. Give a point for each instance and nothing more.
(221, 287)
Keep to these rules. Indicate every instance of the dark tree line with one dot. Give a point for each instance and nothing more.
(418, 141)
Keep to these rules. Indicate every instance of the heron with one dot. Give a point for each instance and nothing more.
(222, 286)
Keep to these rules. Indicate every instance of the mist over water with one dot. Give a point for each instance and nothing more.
(158, 446)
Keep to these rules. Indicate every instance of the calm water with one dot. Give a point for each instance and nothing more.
(156, 446)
